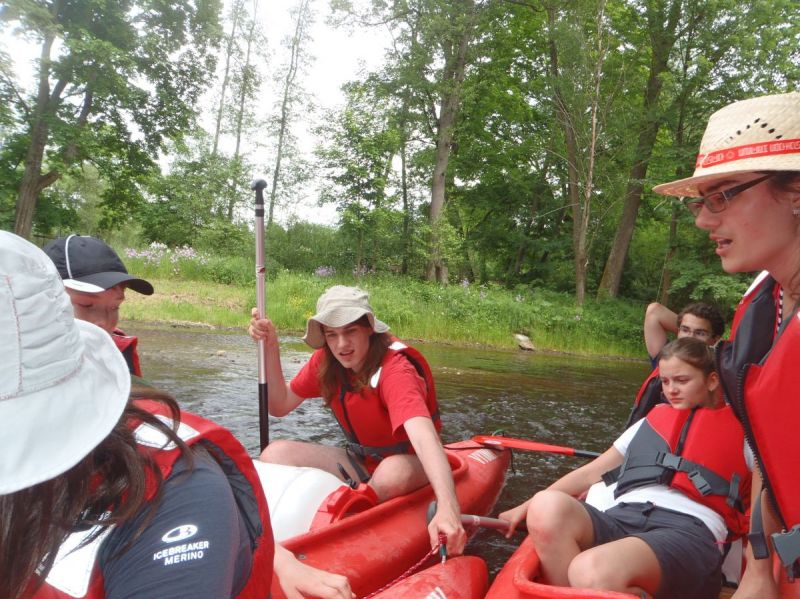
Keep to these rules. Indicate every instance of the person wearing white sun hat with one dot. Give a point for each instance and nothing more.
(109, 490)
(382, 393)
(745, 191)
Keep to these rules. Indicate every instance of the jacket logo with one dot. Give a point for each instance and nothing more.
(179, 533)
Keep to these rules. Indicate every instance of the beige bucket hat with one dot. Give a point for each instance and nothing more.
(63, 382)
(759, 134)
(338, 306)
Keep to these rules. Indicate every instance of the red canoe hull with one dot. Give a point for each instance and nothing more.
(377, 546)
(520, 579)
(464, 577)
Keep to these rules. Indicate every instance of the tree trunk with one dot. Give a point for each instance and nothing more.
(406, 210)
(662, 41)
(452, 80)
(666, 269)
(237, 8)
(564, 118)
(294, 63)
(32, 180)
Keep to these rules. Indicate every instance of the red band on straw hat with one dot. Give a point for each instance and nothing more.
(774, 148)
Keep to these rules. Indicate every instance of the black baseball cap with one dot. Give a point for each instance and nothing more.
(88, 264)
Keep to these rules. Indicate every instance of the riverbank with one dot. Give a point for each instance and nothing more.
(467, 315)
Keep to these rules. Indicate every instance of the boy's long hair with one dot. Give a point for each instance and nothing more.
(34, 522)
(333, 376)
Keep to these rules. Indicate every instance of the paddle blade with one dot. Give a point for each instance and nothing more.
(525, 445)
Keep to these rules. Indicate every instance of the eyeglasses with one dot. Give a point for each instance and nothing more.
(718, 201)
(699, 333)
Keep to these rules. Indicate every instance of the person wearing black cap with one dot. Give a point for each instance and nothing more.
(95, 279)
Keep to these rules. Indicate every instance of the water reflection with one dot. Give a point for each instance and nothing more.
(571, 401)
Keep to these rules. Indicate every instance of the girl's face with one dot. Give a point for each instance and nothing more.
(349, 344)
(685, 386)
(756, 231)
(101, 309)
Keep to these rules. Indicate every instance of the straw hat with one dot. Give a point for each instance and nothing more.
(338, 306)
(63, 382)
(759, 134)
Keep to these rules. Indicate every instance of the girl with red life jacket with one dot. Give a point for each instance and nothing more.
(381, 392)
(682, 488)
(745, 191)
(104, 494)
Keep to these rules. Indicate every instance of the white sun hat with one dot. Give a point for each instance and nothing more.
(63, 382)
(338, 306)
(755, 135)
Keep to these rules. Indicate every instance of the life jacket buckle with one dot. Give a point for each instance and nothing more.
(700, 483)
(787, 546)
(669, 461)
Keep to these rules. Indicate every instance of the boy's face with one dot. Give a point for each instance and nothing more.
(101, 309)
(694, 326)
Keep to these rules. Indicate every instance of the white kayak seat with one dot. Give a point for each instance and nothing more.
(294, 494)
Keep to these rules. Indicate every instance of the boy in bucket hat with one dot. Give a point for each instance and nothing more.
(383, 396)
(96, 279)
(745, 191)
(108, 490)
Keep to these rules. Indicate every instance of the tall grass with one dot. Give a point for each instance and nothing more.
(221, 291)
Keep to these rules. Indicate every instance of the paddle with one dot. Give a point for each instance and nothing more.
(261, 306)
(472, 520)
(525, 445)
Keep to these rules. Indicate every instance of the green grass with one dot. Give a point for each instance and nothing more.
(473, 315)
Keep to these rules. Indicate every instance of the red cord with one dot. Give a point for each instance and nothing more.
(412, 569)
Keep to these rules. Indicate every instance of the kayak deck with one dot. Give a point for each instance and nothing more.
(376, 546)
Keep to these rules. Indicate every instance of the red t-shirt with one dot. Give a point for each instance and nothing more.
(402, 389)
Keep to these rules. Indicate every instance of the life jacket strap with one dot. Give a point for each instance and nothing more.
(756, 537)
(704, 480)
(377, 452)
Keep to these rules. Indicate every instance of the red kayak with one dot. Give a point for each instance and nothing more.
(520, 578)
(465, 577)
(375, 545)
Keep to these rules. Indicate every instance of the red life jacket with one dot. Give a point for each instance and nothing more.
(363, 415)
(127, 345)
(699, 452)
(78, 574)
(648, 397)
(760, 373)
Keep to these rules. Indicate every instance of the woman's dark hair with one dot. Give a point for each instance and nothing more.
(789, 182)
(334, 376)
(107, 487)
(692, 351)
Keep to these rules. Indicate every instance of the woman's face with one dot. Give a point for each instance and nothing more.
(757, 230)
(685, 386)
(349, 344)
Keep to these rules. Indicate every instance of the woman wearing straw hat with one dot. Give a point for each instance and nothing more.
(381, 392)
(104, 494)
(745, 192)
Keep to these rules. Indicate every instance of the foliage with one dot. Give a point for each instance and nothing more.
(196, 192)
(465, 314)
(115, 81)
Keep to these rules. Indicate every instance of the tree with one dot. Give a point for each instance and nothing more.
(291, 93)
(115, 80)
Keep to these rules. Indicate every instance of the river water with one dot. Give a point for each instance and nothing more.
(562, 400)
